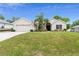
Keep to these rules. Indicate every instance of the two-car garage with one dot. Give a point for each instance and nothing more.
(20, 28)
(23, 25)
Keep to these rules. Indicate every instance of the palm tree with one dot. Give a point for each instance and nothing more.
(40, 22)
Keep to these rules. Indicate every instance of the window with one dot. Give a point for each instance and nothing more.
(58, 26)
(2, 27)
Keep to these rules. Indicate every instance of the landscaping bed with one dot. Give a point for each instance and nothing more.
(5, 30)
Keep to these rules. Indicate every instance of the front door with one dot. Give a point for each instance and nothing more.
(48, 27)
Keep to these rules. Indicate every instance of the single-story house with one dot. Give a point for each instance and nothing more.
(57, 24)
(23, 25)
(5, 25)
(75, 29)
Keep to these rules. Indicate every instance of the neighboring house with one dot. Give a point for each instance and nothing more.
(5, 25)
(57, 24)
(23, 25)
(75, 29)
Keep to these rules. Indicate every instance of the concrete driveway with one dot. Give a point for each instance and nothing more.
(7, 35)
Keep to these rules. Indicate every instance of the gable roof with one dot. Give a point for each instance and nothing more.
(5, 22)
(75, 26)
(22, 21)
(55, 20)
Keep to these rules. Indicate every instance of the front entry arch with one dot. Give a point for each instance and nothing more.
(48, 27)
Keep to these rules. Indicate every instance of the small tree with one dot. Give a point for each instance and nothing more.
(40, 19)
(40, 22)
(68, 26)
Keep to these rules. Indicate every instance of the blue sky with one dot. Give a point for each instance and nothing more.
(30, 10)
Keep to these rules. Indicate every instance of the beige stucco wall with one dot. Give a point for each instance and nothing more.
(8, 26)
(57, 22)
(23, 25)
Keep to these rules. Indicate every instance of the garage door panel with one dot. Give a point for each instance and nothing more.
(22, 28)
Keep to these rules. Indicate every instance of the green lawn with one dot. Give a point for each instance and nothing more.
(41, 43)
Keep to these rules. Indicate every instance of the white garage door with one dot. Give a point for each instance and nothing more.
(22, 28)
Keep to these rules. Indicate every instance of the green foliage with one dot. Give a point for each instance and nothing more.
(12, 30)
(65, 30)
(41, 22)
(61, 18)
(46, 21)
(57, 17)
(65, 19)
(75, 23)
(40, 18)
(2, 17)
(14, 18)
(68, 26)
(10, 21)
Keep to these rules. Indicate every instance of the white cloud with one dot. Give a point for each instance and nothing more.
(11, 5)
(5, 6)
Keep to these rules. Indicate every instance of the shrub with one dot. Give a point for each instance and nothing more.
(31, 30)
(65, 30)
(12, 30)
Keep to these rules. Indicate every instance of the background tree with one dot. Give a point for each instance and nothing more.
(2, 17)
(75, 23)
(69, 26)
(65, 19)
(61, 18)
(13, 19)
(9, 21)
(57, 17)
(46, 20)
